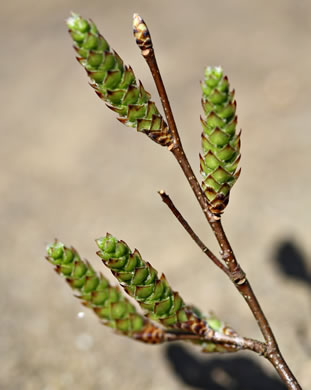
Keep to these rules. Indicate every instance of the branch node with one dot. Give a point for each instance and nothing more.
(238, 276)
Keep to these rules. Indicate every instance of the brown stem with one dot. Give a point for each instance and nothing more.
(168, 201)
(237, 275)
(219, 338)
(283, 370)
(273, 353)
(241, 342)
(152, 334)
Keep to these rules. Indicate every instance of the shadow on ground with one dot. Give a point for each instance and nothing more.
(234, 373)
(292, 262)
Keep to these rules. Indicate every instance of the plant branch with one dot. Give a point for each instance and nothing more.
(236, 342)
(168, 201)
(230, 343)
(237, 275)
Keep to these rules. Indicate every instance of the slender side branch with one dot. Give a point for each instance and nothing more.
(168, 201)
(237, 274)
(236, 342)
(241, 342)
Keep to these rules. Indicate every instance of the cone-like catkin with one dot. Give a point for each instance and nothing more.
(220, 143)
(115, 83)
(117, 312)
(140, 280)
(94, 290)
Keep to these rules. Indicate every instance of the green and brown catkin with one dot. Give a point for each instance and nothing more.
(115, 311)
(220, 142)
(116, 83)
(140, 280)
(106, 301)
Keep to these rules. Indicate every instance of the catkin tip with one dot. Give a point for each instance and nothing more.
(136, 20)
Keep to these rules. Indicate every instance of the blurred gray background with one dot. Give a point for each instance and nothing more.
(70, 170)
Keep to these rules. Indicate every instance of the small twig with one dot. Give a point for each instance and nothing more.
(239, 343)
(237, 274)
(143, 40)
(168, 201)
(152, 334)
(231, 343)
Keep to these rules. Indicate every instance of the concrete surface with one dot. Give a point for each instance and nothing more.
(70, 170)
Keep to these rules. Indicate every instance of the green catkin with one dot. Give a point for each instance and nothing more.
(220, 142)
(141, 281)
(94, 290)
(116, 83)
(115, 311)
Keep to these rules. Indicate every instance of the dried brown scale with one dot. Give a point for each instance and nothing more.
(151, 335)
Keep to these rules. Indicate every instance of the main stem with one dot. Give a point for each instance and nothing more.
(237, 274)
